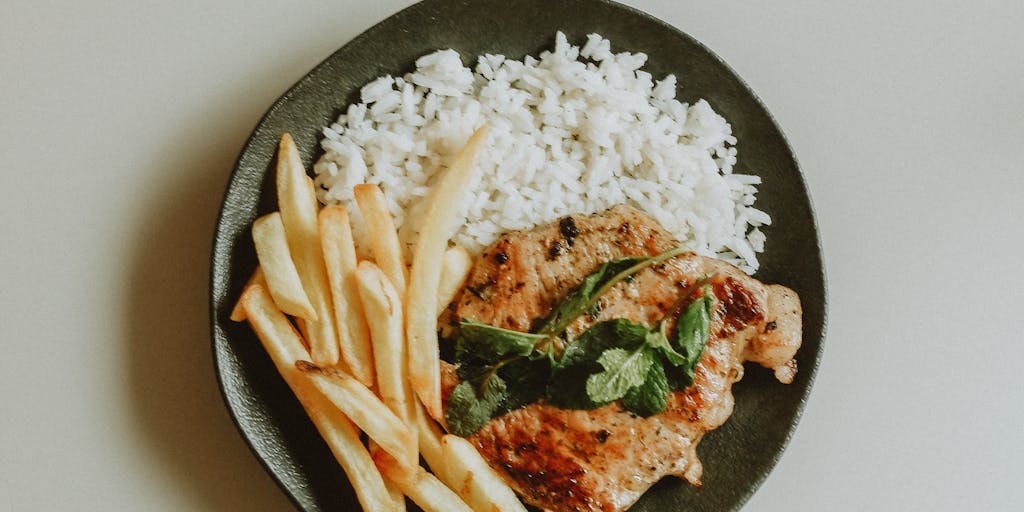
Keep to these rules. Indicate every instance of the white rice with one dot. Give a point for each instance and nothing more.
(577, 130)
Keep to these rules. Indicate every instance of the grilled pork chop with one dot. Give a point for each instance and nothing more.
(605, 459)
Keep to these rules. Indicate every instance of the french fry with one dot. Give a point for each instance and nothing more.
(364, 409)
(383, 309)
(279, 269)
(397, 497)
(393, 490)
(257, 277)
(380, 227)
(340, 260)
(343, 440)
(430, 435)
(421, 299)
(298, 204)
(476, 482)
(285, 347)
(455, 266)
(423, 488)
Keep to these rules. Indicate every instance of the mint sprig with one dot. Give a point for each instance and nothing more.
(623, 370)
(613, 360)
(468, 411)
(651, 397)
(586, 295)
(639, 377)
(692, 331)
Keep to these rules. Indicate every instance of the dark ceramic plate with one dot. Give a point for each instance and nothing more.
(738, 456)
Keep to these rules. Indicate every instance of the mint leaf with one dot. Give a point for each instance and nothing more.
(617, 333)
(474, 371)
(491, 343)
(622, 370)
(526, 382)
(692, 330)
(567, 387)
(651, 397)
(583, 296)
(467, 411)
(658, 340)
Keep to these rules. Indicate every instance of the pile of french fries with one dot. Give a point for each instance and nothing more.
(356, 341)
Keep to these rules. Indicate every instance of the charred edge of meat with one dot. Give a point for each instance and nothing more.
(737, 304)
(544, 482)
(569, 230)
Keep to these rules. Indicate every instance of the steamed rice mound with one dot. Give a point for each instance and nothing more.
(577, 130)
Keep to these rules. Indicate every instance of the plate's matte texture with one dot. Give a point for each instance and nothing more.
(736, 457)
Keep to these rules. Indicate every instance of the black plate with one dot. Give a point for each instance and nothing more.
(738, 456)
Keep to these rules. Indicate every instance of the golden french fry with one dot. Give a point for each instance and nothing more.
(383, 309)
(430, 435)
(423, 488)
(340, 260)
(380, 227)
(285, 347)
(343, 439)
(476, 482)
(275, 258)
(257, 277)
(393, 490)
(396, 495)
(298, 204)
(275, 332)
(455, 266)
(364, 409)
(421, 300)
(461, 480)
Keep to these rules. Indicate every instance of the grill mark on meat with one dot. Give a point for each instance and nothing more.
(569, 230)
(476, 293)
(736, 304)
(604, 459)
(555, 250)
(548, 473)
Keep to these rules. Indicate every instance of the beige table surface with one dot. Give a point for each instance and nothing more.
(120, 121)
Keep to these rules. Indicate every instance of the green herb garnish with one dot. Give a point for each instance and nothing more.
(651, 397)
(468, 411)
(623, 370)
(568, 384)
(692, 331)
(613, 360)
(585, 296)
(492, 343)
